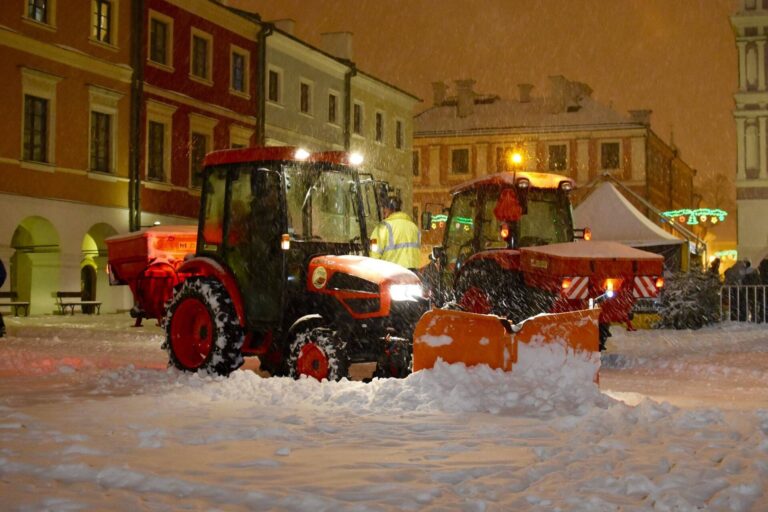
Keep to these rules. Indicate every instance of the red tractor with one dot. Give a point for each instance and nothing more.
(510, 250)
(279, 271)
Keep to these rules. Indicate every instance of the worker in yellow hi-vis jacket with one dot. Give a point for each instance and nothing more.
(396, 238)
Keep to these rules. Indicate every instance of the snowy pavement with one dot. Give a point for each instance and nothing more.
(91, 419)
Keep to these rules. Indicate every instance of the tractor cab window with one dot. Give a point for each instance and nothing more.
(461, 229)
(322, 205)
(490, 225)
(370, 205)
(547, 219)
(213, 213)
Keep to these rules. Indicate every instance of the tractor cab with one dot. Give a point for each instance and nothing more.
(266, 211)
(505, 211)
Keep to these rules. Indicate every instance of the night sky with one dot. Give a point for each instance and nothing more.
(677, 58)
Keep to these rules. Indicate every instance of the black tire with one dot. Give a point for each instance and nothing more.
(506, 293)
(318, 352)
(395, 361)
(202, 331)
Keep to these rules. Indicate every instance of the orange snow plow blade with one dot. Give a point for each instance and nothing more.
(473, 339)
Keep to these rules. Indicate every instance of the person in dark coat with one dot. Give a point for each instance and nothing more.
(748, 309)
(3, 275)
(733, 277)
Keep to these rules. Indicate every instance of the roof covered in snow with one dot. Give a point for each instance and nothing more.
(612, 217)
(566, 105)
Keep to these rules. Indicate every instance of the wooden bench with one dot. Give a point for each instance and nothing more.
(14, 303)
(70, 300)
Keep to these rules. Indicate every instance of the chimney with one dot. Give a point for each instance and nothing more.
(525, 92)
(641, 117)
(465, 96)
(285, 25)
(338, 44)
(556, 99)
(439, 89)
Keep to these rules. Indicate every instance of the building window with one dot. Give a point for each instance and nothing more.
(332, 107)
(198, 149)
(101, 143)
(156, 151)
(103, 131)
(102, 21)
(460, 161)
(160, 39)
(416, 162)
(35, 129)
(558, 157)
(305, 97)
(399, 134)
(238, 72)
(357, 119)
(273, 86)
(379, 127)
(200, 60)
(201, 129)
(609, 155)
(38, 10)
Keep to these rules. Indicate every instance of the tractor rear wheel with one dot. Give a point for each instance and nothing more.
(202, 331)
(319, 353)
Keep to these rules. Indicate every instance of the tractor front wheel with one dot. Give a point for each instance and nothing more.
(202, 329)
(319, 353)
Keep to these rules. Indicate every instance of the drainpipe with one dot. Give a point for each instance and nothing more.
(137, 94)
(261, 86)
(348, 104)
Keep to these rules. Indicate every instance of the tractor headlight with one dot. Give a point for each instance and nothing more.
(401, 292)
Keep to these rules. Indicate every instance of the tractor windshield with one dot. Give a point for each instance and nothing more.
(322, 204)
(546, 220)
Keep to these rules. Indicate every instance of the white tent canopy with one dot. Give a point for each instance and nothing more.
(611, 216)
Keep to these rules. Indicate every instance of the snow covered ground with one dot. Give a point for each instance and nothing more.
(91, 418)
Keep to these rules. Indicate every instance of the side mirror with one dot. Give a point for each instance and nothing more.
(438, 255)
(426, 220)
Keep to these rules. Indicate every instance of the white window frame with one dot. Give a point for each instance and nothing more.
(203, 125)
(240, 135)
(50, 24)
(42, 85)
(310, 100)
(469, 160)
(193, 33)
(104, 101)
(168, 66)
(361, 133)
(600, 154)
(113, 25)
(159, 113)
(246, 55)
(380, 114)
(567, 162)
(280, 95)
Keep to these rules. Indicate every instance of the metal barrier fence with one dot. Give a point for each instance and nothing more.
(745, 303)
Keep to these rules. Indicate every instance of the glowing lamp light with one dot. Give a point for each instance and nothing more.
(587, 234)
(566, 283)
(659, 282)
(285, 242)
(681, 219)
(703, 218)
(301, 154)
(356, 158)
(433, 226)
(504, 231)
(517, 158)
(713, 220)
(611, 285)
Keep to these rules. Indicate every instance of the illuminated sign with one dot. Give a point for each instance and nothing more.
(694, 217)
